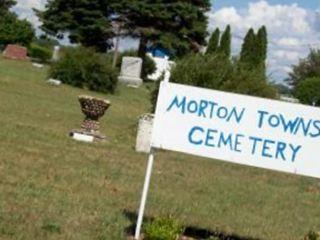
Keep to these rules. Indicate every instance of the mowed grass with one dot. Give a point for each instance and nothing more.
(52, 187)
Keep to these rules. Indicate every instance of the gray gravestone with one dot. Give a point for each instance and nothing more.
(131, 71)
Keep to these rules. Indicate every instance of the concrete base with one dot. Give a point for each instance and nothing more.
(130, 81)
(86, 136)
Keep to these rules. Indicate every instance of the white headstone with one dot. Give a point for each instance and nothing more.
(143, 143)
(55, 55)
(131, 71)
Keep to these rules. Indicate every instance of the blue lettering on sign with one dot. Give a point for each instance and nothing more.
(215, 139)
(192, 135)
(297, 125)
(181, 104)
(266, 148)
(272, 149)
(206, 109)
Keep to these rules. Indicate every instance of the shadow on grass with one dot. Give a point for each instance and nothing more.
(190, 231)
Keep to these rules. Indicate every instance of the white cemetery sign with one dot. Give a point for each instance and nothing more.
(236, 128)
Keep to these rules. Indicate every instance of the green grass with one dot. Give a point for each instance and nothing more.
(52, 187)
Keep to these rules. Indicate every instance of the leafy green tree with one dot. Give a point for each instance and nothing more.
(308, 91)
(13, 30)
(308, 67)
(86, 21)
(249, 82)
(214, 42)
(225, 43)
(208, 71)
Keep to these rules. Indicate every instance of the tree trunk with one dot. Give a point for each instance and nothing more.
(142, 47)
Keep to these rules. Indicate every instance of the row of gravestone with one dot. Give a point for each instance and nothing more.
(130, 75)
(130, 68)
(17, 52)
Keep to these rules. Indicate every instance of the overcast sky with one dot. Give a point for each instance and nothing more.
(293, 26)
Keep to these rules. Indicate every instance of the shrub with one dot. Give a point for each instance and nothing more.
(40, 53)
(312, 236)
(84, 68)
(249, 82)
(207, 71)
(308, 91)
(163, 229)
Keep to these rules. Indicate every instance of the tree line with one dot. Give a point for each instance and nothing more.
(179, 26)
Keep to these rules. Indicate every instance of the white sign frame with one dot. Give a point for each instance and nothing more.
(171, 105)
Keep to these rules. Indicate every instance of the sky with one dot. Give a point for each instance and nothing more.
(293, 27)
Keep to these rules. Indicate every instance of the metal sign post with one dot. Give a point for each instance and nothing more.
(147, 181)
(144, 194)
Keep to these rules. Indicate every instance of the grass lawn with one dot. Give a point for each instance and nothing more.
(52, 187)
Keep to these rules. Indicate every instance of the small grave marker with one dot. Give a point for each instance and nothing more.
(15, 52)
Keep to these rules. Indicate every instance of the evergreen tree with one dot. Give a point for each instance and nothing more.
(248, 50)
(262, 49)
(254, 49)
(213, 44)
(175, 25)
(225, 43)
(262, 43)
(5, 5)
(86, 21)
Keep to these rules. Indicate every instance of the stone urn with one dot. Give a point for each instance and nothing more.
(93, 109)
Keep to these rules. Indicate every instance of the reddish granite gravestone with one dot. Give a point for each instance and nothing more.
(15, 52)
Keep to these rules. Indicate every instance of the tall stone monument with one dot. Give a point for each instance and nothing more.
(131, 71)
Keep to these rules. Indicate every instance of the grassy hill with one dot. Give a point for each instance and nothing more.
(52, 187)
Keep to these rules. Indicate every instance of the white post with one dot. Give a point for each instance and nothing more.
(144, 194)
(146, 186)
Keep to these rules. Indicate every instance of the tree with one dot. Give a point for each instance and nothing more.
(249, 82)
(262, 44)
(247, 55)
(254, 50)
(86, 22)
(208, 71)
(177, 25)
(308, 91)
(5, 5)
(308, 67)
(13, 30)
(213, 42)
(248, 49)
(225, 43)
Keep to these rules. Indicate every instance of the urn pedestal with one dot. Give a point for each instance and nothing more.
(93, 109)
